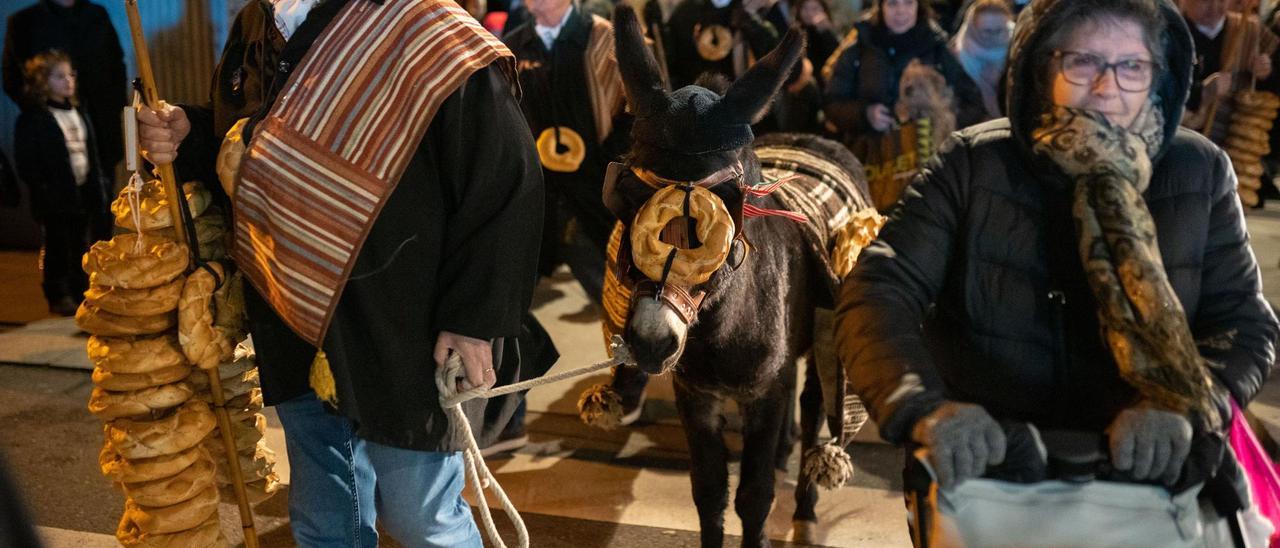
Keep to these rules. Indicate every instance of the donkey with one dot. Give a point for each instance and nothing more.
(737, 335)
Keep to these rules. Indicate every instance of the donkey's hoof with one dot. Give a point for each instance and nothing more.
(803, 531)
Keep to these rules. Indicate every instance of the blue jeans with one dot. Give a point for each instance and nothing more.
(341, 485)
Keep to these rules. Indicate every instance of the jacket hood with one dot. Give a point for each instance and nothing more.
(1036, 23)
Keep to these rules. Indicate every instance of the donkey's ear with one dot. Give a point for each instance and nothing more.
(640, 75)
(748, 99)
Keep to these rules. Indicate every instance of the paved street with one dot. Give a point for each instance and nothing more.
(576, 486)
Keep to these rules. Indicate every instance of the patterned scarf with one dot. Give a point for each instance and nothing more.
(1141, 317)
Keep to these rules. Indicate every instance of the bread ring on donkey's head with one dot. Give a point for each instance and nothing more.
(714, 229)
(204, 343)
(120, 262)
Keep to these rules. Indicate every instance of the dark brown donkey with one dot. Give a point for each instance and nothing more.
(739, 335)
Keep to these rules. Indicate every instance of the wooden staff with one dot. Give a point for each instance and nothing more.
(151, 97)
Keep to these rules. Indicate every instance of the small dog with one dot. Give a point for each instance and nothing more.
(924, 93)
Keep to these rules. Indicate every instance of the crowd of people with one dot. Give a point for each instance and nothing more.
(891, 79)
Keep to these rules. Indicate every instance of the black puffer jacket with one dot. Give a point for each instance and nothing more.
(981, 253)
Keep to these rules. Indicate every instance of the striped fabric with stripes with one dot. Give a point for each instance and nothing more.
(324, 160)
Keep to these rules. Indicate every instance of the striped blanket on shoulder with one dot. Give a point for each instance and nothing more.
(335, 144)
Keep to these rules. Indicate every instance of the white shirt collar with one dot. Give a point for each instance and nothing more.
(289, 14)
(1212, 32)
(721, 4)
(549, 34)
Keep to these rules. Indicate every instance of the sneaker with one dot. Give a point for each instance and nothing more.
(510, 440)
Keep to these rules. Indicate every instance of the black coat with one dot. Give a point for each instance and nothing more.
(555, 87)
(684, 62)
(40, 154)
(84, 32)
(984, 236)
(869, 70)
(453, 249)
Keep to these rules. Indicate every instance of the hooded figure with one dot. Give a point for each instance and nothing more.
(978, 306)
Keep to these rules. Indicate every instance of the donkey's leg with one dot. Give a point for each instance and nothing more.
(709, 460)
(760, 433)
(811, 415)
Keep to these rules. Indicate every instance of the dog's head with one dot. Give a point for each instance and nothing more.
(923, 93)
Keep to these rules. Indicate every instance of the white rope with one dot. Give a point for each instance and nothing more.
(133, 193)
(448, 380)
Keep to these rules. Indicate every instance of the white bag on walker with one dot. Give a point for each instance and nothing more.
(990, 513)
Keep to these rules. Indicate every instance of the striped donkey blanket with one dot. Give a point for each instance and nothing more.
(333, 147)
(829, 189)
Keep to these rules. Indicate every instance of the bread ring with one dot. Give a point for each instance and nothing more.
(177, 432)
(229, 156)
(154, 205)
(257, 490)
(1251, 183)
(120, 382)
(691, 266)
(236, 368)
(114, 262)
(256, 463)
(561, 162)
(172, 490)
(714, 42)
(207, 534)
(1244, 119)
(140, 355)
(247, 434)
(210, 227)
(244, 406)
(1249, 133)
(1257, 100)
(174, 518)
(138, 403)
(96, 321)
(229, 314)
(1248, 169)
(136, 302)
(233, 387)
(205, 344)
(1252, 148)
(1248, 196)
(139, 470)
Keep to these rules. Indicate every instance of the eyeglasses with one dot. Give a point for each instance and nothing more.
(1084, 69)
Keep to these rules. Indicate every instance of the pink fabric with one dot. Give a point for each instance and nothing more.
(1264, 479)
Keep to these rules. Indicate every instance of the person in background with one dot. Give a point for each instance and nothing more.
(54, 145)
(717, 36)
(862, 78)
(1207, 20)
(982, 45)
(83, 31)
(814, 17)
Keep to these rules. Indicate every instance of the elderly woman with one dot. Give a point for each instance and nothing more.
(1080, 266)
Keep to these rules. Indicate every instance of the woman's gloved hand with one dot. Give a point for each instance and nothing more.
(1150, 443)
(962, 439)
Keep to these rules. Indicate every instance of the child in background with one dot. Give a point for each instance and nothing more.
(56, 157)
